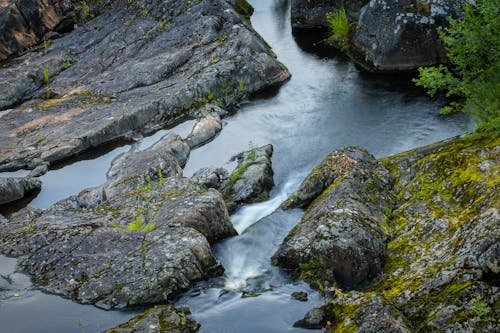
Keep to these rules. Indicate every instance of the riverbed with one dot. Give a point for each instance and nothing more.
(328, 103)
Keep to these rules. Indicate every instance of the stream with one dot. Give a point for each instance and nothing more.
(328, 103)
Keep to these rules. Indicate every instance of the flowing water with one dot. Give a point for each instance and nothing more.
(328, 103)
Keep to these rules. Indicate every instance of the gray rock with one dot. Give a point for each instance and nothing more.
(440, 271)
(312, 13)
(135, 68)
(160, 319)
(252, 180)
(15, 188)
(135, 240)
(401, 35)
(204, 130)
(300, 296)
(210, 177)
(313, 319)
(341, 237)
(40, 170)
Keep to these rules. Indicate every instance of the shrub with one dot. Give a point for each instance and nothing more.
(473, 79)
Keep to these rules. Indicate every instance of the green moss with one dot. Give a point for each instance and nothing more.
(244, 9)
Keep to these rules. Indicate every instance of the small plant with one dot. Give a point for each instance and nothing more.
(242, 85)
(252, 154)
(340, 28)
(479, 307)
(138, 225)
(46, 43)
(46, 77)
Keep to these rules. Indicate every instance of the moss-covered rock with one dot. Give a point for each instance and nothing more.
(441, 268)
(160, 319)
(341, 237)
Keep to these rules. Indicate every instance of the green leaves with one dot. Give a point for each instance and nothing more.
(340, 28)
(473, 78)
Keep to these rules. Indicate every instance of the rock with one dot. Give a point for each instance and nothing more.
(40, 170)
(15, 188)
(401, 35)
(441, 266)
(341, 237)
(133, 241)
(134, 69)
(335, 165)
(204, 130)
(252, 179)
(300, 296)
(210, 177)
(160, 319)
(312, 13)
(23, 24)
(313, 319)
(356, 312)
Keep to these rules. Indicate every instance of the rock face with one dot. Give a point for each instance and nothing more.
(135, 68)
(133, 241)
(312, 13)
(15, 188)
(400, 35)
(24, 23)
(340, 238)
(441, 272)
(160, 319)
(252, 180)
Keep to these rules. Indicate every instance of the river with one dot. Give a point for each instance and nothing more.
(327, 104)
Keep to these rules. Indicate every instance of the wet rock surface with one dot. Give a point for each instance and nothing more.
(436, 275)
(133, 241)
(399, 35)
(15, 188)
(135, 68)
(341, 237)
(252, 180)
(160, 319)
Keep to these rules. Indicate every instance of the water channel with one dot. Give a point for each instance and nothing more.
(327, 104)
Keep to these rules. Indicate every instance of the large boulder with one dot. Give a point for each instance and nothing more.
(135, 240)
(341, 237)
(441, 269)
(15, 188)
(160, 319)
(401, 35)
(135, 68)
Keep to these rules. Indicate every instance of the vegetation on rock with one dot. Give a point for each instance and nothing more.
(473, 80)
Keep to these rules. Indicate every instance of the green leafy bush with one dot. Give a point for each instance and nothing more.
(473, 78)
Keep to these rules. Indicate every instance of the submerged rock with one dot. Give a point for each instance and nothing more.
(133, 241)
(160, 319)
(252, 180)
(341, 237)
(440, 272)
(135, 68)
(400, 35)
(15, 188)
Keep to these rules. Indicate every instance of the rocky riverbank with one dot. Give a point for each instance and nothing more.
(133, 69)
(438, 240)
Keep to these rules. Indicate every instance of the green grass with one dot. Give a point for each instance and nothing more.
(340, 27)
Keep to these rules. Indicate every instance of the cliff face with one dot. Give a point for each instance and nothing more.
(442, 265)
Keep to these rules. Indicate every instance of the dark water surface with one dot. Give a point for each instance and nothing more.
(328, 103)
